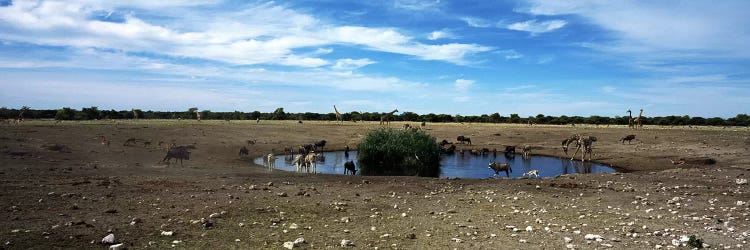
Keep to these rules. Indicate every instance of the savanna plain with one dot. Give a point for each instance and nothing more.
(61, 187)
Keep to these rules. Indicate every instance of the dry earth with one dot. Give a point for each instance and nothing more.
(73, 194)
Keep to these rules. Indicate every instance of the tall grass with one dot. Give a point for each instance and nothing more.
(386, 151)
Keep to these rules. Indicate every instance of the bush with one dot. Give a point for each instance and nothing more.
(695, 242)
(399, 152)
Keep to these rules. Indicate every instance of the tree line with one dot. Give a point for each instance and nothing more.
(94, 113)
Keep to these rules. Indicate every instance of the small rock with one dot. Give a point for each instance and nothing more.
(411, 236)
(741, 181)
(299, 241)
(288, 245)
(592, 237)
(109, 239)
(214, 215)
(346, 243)
(282, 194)
(167, 233)
(120, 246)
(529, 229)
(270, 184)
(293, 226)
(567, 239)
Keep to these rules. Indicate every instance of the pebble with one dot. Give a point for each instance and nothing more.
(346, 243)
(592, 237)
(167, 233)
(288, 245)
(120, 246)
(567, 239)
(293, 226)
(109, 239)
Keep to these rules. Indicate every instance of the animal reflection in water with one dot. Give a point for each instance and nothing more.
(453, 166)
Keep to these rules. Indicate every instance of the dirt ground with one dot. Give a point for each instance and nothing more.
(62, 188)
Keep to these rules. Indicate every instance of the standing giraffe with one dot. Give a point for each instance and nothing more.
(198, 115)
(638, 122)
(386, 118)
(135, 114)
(338, 115)
(630, 119)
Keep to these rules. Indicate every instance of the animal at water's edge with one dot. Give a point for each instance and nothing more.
(320, 144)
(627, 138)
(526, 151)
(271, 161)
(349, 167)
(567, 141)
(244, 151)
(498, 166)
(587, 144)
(178, 153)
(532, 172)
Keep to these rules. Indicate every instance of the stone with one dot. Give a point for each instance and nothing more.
(109, 239)
(346, 243)
(299, 241)
(288, 245)
(567, 239)
(167, 233)
(592, 236)
(120, 246)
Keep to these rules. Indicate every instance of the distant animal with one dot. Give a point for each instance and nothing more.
(299, 162)
(305, 149)
(346, 151)
(271, 161)
(526, 151)
(178, 153)
(627, 138)
(443, 143)
(462, 139)
(104, 141)
(509, 150)
(497, 167)
(567, 141)
(386, 118)
(167, 146)
(450, 150)
(251, 142)
(407, 126)
(587, 144)
(532, 172)
(423, 124)
(244, 151)
(349, 167)
(310, 161)
(300, 121)
(257, 120)
(319, 144)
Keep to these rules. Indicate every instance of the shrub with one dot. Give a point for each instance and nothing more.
(695, 242)
(387, 151)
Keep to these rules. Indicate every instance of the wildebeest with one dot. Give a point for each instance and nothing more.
(320, 144)
(178, 153)
(349, 167)
(627, 138)
(497, 167)
(244, 151)
(443, 143)
(462, 139)
(304, 149)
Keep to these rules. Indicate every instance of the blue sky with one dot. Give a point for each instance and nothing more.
(426, 56)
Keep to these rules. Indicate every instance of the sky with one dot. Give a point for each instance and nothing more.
(465, 57)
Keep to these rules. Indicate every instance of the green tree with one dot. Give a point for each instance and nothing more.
(278, 114)
(65, 113)
(386, 151)
(91, 113)
(515, 118)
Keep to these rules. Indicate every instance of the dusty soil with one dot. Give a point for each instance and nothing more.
(62, 188)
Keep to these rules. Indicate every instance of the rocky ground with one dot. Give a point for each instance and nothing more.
(62, 188)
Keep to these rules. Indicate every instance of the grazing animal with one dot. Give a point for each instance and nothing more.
(443, 143)
(510, 150)
(251, 142)
(244, 151)
(407, 126)
(497, 167)
(271, 161)
(319, 144)
(104, 141)
(349, 167)
(627, 138)
(587, 143)
(178, 153)
(566, 143)
(299, 162)
(305, 149)
(532, 172)
(423, 124)
(386, 118)
(338, 115)
(462, 139)
(167, 146)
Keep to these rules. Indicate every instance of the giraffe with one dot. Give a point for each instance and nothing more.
(198, 115)
(135, 114)
(630, 119)
(338, 115)
(638, 122)
(386, 118)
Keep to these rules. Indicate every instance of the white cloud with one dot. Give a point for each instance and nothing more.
(476, 22)
(440, 34)
(264, 34)
(671, 28)
(463, 84)
(534, 27)
(351, 64)
(510, 54)
(419, 5)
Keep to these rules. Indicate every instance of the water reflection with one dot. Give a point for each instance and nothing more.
(463, 165)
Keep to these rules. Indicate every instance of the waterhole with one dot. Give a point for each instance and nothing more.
(466, 166)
